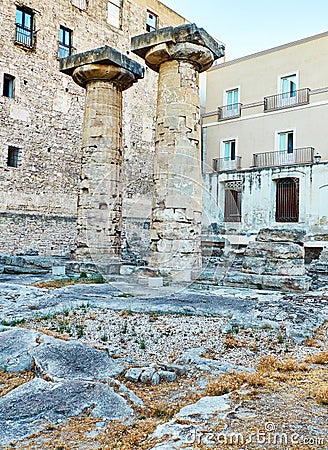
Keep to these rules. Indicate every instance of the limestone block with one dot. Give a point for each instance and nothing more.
(324, 256)
(133, 374)
(155, 282)
(253, 265)
(286, 283)
(19, 113)
(283, 250)
(281, 235)
(288, 267)
(240, 279)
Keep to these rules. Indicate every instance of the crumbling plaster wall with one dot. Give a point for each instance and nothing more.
(258, 198)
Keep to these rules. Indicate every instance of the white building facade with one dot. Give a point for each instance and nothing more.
(265, 147)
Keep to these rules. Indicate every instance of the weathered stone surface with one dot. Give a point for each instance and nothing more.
(147, 375)
(165, 375)
(273, 266)
(269, 249)
(177, 368)
(16, 345)
(193, 357)
(281, 235)
(70, 360)
(155, 379)
(134, 374)
(205, 407)
(104, 55)
(286, 283)
(188, 33)
(33, 405)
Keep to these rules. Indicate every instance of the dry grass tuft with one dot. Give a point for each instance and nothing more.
(311, 342)
(269, 364)
(322, 396)
(231, 342)
(57, 284)
(319, 358)
(233, 381)
(10, 381)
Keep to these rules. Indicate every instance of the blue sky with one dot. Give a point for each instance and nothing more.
(249, 26)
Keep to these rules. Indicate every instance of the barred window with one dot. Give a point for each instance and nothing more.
(24, 27)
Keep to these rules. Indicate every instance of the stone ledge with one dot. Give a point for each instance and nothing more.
(102, 55)
(184, 33)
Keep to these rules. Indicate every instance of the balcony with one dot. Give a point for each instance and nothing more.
(303, 155)
(229, 111)
(25, 36)
(226, 164)
(287, 100)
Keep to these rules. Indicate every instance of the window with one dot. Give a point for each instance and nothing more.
(232, 201)
(114, 13)
(24, 27)
(287, 200)
(288, 86)
(232, 98)
(81, 4)
(8, 86)
(151, 21)
(229, 150)
(65, 42)
(286, 142)
(13, 156)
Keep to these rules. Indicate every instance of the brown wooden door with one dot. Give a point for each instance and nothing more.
(232, 206)
(287, 200)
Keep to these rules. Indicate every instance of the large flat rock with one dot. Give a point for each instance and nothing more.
(16, 346)
(31, 407)
(71, 360)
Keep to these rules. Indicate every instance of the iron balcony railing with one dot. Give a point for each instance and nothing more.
(283, 158)
(229, 111)
(25, 36)
(223, 164)
(64, 50)
(287, 100)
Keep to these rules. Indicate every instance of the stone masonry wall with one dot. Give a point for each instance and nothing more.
(44, 119)
(49, 234)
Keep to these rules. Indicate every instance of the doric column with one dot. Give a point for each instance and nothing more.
(178, 54)
(104, 73)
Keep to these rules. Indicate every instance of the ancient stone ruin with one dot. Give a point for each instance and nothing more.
(319, 270)
(274, 261)
(104, 73)
(178, 54)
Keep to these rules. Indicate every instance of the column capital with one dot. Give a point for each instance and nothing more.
(83, 75)
(104, 63)
(186, 42)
